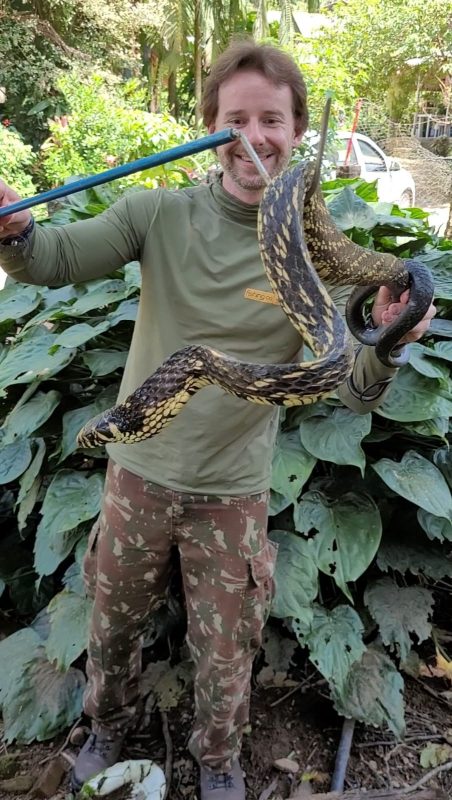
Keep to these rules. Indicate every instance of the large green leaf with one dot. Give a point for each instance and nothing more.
(437, 427)
(435, 527)
(71, 499)
(337, 438)
(411, 553)
(103, 362)
(277, 503)
(125, 312)
(30, 484)
(69, 615)
(17, 301)
(28, 503)
(419, 481)
(55, 297)
(430, 367)
(443, 460)
(373, 692)
(279, 652)
(292, 465)
(132, 275)
(110, 291)
(29, 476)
(14, 460)
(295, 577)
(349, 211)
(42, 701)
(347, 533)
(334, 641)
(78, 334)
(51, 549)
(29, 360)
(15, 651)
(399, 611)
(74, 420)
(440, 350)
(440, 263)
(27, 418)
(414, 397)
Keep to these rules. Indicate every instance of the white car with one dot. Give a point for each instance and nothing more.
(394, 183)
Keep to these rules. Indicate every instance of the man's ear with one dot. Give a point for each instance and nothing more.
(211, 128)
(297, 137)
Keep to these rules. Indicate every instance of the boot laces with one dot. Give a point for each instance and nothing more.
(222, 780)
(100, 745)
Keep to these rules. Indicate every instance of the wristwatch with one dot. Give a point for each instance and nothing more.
(19, 238)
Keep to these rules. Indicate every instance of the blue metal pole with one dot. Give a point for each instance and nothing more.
(182, 150)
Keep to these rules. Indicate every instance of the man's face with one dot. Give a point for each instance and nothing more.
(263, 111)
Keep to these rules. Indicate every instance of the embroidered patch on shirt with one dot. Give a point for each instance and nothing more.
(261, 297)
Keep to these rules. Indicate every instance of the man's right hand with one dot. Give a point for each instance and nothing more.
(13, 224)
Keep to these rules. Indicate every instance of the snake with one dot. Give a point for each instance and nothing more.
(301, 248)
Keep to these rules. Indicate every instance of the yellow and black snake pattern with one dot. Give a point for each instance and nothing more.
(300, 247)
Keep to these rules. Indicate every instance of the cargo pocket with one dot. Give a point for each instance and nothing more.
(258, 596)
(89, 565)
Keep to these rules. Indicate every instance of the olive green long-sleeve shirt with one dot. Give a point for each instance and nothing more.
(203, 282)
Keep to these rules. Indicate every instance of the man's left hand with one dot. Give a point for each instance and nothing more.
(385, 310)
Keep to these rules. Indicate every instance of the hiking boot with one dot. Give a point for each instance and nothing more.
(222, 785)
(99, 751)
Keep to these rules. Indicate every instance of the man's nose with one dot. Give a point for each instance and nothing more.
(254, 133)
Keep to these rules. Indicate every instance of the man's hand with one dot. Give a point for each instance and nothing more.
(385, 310)
(13, 224)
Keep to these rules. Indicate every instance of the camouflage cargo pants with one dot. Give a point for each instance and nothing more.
(227, 566)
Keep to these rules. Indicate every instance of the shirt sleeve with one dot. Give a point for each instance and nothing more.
(81, 251)
(367, 386)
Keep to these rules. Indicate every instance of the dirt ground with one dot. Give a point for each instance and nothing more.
(286, 724)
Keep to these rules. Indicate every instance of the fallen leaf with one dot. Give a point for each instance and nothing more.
(287, 765)
(435, 754)
(442, 669)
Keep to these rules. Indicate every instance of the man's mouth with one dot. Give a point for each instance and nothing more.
(248, 160)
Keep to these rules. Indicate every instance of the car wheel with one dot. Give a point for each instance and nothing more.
(406, 199)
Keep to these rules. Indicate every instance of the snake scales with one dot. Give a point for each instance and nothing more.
(300, 247)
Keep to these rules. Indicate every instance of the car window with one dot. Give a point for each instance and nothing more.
(373, 161)
(342, 150)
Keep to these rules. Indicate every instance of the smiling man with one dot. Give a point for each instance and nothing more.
(250, 102)
(202, 484)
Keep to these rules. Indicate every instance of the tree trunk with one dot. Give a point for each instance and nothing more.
(197, 55)
(173, 101)
(448, 231)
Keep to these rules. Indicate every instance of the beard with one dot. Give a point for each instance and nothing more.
(256, 181)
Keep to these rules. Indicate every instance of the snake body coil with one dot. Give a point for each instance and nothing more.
(300, 247)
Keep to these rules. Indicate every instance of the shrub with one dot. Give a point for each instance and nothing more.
(102, 131)
(17, 159)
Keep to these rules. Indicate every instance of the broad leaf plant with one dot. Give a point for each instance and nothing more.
(361, 506)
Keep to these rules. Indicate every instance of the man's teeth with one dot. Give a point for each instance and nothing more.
(250, 161)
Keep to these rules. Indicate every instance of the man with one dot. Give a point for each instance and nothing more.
(203, 483)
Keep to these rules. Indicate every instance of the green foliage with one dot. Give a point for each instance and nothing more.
(379, 490)
(101, 130)
(17, 160)
(341, 485)
(373, 41)
(31, 66)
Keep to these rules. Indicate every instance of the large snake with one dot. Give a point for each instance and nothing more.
(300, 247)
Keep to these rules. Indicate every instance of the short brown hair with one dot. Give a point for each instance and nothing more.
(274, 64)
